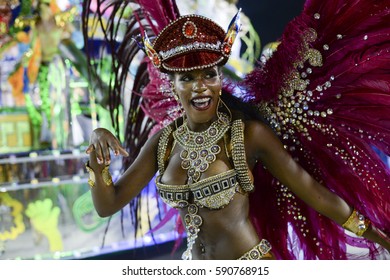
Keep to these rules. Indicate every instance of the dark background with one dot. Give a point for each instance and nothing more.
(269, 17)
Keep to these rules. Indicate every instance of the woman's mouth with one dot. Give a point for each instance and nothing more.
(201, 103)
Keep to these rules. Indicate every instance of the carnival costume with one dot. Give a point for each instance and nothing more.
(325, 92)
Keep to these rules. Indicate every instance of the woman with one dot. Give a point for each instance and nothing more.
(204, 159)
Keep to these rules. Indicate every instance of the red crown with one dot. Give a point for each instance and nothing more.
(191, 42)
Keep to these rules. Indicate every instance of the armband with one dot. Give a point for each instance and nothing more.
(106, 175)
(357, 223)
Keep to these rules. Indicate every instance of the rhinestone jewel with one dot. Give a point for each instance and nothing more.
(192, 223)
(254, 254)
(184, 154)
(189, 29)
(362, 226)
(187, 219)
(191, 229)
(192, 209)
(226, 49)
(197, 220)
(156, 60)
(213, 131)
(193, 155)
(199, 140)
(215, 149)
(185, 164)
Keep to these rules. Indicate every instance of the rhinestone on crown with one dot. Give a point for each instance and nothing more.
(189, 29)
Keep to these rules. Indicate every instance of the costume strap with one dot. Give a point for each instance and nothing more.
(238, 155)
(163, 152)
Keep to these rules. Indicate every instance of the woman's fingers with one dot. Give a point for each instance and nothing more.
(101, 142)
(106, 158)
(99, 153)
(118, 149)
(89, 149)
(122, 151)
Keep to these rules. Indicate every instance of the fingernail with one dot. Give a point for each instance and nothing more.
(100, 161)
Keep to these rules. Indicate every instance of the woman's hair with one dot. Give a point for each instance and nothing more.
(240, 109)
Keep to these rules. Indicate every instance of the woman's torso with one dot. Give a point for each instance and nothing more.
(225, 232)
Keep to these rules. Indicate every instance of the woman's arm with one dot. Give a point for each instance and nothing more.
(108, 198)
(262, 144)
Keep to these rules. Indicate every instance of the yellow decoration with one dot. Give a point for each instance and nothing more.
(15, 133)
(44, 219)
(17, 207)
(22, 37)
(62, 18)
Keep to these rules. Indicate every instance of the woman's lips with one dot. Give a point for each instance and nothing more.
(201, 103)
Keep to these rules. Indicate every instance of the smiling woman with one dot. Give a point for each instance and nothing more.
(199, 158)
(198, 91)
(209, 159)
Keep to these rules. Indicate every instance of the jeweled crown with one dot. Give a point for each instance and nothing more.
(191, 42)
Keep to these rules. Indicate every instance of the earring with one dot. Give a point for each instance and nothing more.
(222, 118)
(180, 111)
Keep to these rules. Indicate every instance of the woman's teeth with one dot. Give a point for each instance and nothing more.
(201, 103)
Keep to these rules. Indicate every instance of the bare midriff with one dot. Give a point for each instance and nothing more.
(226, 233)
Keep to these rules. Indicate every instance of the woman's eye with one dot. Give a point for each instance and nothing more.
(185, 78)
(210, 75)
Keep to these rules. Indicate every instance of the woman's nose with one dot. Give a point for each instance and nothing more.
(199, 86)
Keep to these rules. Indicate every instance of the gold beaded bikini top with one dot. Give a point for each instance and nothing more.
(214, 192)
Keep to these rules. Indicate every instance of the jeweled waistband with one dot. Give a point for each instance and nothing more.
(257, 252)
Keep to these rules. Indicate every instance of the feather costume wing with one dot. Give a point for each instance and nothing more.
(326, 90)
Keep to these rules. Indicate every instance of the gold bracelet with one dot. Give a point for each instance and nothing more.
(357, 223)
(106, 175)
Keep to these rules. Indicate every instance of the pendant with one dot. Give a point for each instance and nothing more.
(192, 223)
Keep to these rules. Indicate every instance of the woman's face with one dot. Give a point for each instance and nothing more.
(198, 91)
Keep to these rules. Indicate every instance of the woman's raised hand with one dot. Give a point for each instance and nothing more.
(101, 142)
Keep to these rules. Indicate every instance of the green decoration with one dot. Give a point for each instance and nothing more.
(85, 214)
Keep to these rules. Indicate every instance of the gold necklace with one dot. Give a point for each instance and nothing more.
(200, 149)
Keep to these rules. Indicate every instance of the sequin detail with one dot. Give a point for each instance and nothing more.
(192, 222)
(200, 149)
(214, 192)
(239, 158)
(257, 252)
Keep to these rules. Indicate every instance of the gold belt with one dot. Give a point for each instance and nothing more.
(258, 252)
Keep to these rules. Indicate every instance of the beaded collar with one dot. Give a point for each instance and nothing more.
(200, 148)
